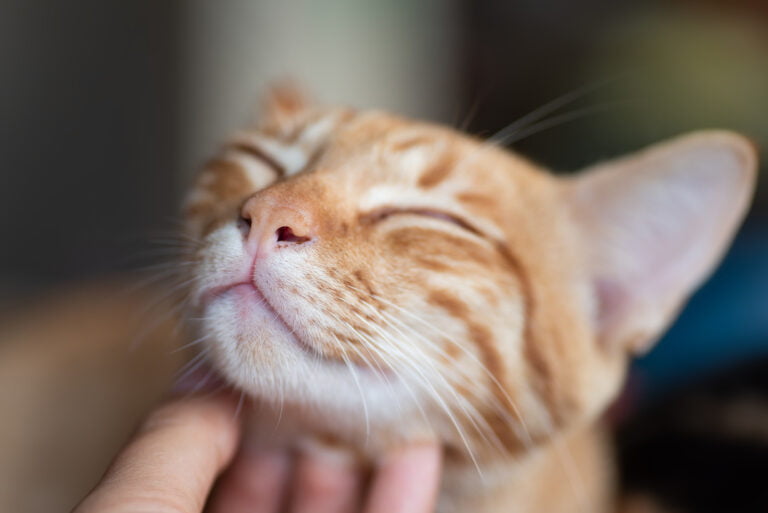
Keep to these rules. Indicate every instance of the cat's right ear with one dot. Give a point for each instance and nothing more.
(282, 105)
(655, 224)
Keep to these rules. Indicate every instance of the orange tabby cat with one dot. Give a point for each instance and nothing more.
(371, 280)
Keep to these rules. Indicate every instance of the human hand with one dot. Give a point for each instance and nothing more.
(173, 461)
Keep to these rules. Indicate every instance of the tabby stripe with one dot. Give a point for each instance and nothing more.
(545, 388)
(407, 144)
(477, 333)
(543, 379)
(482, 338)
(438, 171)
(253, 150)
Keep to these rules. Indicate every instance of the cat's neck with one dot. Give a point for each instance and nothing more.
(571, 474)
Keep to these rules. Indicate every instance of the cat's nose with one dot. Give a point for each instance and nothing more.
(266, 225)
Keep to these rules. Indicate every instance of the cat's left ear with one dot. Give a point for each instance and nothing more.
(655, 224)
(282, 106)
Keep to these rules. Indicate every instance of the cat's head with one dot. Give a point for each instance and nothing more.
(382, 271)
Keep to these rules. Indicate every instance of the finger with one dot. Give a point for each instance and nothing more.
(407, 482)
(326, 481)
(171, 463)
(255, 483)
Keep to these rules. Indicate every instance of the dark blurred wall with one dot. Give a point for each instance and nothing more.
(520, 55)
(652, 69)
(88, 102)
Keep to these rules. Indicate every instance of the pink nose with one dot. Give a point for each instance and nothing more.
(267, 225)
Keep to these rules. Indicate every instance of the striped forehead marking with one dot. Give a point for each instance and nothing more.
(288, 156)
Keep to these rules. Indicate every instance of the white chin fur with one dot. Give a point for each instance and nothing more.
(257, 354)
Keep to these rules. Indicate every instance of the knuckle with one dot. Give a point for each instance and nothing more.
(323, 482)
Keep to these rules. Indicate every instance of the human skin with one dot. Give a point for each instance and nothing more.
(187, 445)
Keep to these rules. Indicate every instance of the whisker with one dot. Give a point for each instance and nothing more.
(192, 365)
(472, 112)
(403, 381)
(563, 454)
(527, 438)
(355, 378)
(554, 121)
(518, 417)
(548, 108)
(467, 408)
(572, 473)
(150, 325)
(195, 342)
(444, 406)
(239, 407)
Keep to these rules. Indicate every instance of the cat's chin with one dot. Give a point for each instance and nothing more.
(255, 351)
(252, 319)
(252, 303)
(251, 306)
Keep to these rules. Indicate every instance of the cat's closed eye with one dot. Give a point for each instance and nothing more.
(382, 214)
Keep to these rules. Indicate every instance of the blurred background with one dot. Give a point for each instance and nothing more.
(109, 108)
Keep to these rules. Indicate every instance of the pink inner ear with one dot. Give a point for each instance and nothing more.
(610, 300)
(655, 225)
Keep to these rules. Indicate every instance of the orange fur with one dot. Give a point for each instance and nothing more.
(413, 283)
(438, 286)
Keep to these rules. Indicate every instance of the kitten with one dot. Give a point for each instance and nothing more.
(369, 280)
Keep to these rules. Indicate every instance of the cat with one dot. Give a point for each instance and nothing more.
(368, 280)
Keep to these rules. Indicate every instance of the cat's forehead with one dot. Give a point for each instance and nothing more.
(361, 161)
(384, 147)
(384, 158)
(379, 134)
(380, 148)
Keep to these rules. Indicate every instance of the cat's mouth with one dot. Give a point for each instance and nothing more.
(251, 302)
(249, 297)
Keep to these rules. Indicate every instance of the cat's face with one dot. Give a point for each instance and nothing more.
(383, 272)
